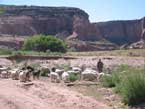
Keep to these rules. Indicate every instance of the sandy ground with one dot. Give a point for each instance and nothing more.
(5, 62)
(89, 61)
(109, 61)
(43, 95)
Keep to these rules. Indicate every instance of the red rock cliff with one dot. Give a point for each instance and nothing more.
(30, 20)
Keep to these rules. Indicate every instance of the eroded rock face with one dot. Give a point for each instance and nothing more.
(143, 28)
(86, 31)
(64, 21)
(119, 32)
(27, 21)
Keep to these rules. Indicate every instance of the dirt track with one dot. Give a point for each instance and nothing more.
(43, 95)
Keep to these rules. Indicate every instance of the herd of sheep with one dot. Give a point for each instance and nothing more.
(88, 74)
(25, 74)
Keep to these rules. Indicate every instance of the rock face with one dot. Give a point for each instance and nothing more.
(143, 29)
(118, 32)
(64, 21)
(26, 21)
(121, 32)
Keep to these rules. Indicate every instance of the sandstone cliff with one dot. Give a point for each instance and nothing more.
(118, 32)
(115, 31)
(64, 22)
(143, 28)
(26, 21)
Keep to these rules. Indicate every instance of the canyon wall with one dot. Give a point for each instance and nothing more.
(64, 22)
(27, 21)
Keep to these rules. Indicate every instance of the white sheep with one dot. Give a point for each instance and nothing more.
(14, 74)
(71, 72)
(77, 69)
(59, 72)
(54, 77)
(5, 74)
(89, 74)
(22, 76)
(65, 77)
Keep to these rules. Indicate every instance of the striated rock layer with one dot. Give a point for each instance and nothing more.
(67, 23)
(26, 21)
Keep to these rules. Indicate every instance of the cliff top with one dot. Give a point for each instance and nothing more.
(12, 10)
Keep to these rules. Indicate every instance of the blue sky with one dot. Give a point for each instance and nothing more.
(98, 10)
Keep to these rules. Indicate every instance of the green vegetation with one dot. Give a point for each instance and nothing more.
(36, 53)
(118, 74)
(28, 53)
(45, 73)
(130, 53)
(73, 77)
(45, 44)
(133, 88)
(6, 52)
(2, 10)
(128, 82)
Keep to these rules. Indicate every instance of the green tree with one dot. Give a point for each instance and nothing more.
(44, 43)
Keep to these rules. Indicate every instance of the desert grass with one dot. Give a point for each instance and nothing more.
(129, 82)
(129, 52)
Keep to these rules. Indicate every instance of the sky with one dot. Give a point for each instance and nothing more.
(98, 10)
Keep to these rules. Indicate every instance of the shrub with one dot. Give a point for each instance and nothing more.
(133, 88)
(116, 77)
(73, 77)
(129, 82)
(112, 80)
(45, 43)
(44, 73)
(108, 81)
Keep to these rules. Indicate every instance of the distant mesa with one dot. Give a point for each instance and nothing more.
(68, 23)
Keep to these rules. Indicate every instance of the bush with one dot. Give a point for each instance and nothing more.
(133, 88)
(116, 77)
(108, 81)
(73, 77)
(44, 73)
(45, 43)
(129, 82)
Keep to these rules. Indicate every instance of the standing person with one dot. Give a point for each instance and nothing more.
(100, 66)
